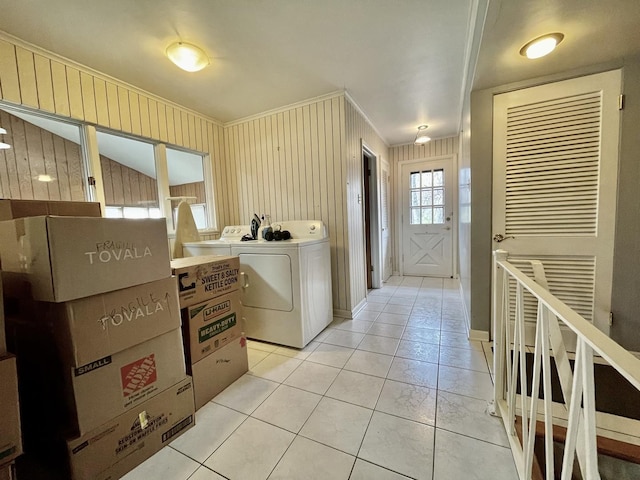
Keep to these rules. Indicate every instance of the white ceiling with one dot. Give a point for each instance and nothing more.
(402, 61)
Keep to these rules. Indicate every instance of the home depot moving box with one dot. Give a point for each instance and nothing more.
(10, 209)
(217, 371)
(204, 277)
(65, 258)
(91, 328)
(210, 325)
(122, 443)
(10, 437)
(80, 398)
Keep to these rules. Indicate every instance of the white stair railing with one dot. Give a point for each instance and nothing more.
(509, 367)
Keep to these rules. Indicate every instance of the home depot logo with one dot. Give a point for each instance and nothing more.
(138, 375)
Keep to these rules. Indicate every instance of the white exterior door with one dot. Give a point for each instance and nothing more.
(554, 186)
(385, 207)
(427, 211)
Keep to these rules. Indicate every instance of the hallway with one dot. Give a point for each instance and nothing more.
(397, 392)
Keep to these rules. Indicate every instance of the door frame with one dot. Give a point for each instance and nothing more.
(453, 164)
(374, 214)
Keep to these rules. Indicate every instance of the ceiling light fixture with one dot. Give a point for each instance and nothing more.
(4, 146)
(187, 56)
(421, 136)
(541, 46)
(45, 178)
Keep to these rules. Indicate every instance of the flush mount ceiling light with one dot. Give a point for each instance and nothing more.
(187, 56)
(421, 136)
(541, 46)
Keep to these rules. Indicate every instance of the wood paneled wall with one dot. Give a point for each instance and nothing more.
(195, 189)
(41, 80)
(34, 152)
(124, 186)
(358, 130)
(290, 165)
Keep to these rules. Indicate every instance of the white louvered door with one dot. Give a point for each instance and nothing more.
(554, 186)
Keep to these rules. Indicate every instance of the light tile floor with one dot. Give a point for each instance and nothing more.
(398, 392)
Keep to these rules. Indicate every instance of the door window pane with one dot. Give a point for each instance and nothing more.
(426, 216)
(44, 159)
(426, 198)
(438, 178)
(415, 216)
(426, 179)
(128, 174)
(438, 196)
(415, 180)
(426, 189)
(438, 215)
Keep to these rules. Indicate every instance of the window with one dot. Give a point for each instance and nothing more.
(427, 197)
(129, 177)
(186, 182)
(44, 161)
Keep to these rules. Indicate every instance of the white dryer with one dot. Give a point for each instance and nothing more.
(222, 246)
(286, 296)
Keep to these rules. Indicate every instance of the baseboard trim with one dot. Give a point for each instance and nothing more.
(479, 335)
(341, 313)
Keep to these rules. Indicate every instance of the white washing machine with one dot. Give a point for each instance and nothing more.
(286, 296)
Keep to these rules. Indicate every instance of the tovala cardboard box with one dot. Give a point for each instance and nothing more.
(91, 328)
(65, 258)
(213, 374)
(211, 325)
(10, 209)
(10, 436)
(122, 443)
(204, 277)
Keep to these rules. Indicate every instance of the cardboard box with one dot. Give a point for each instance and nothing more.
(11, 209)
(216, 372)
(65, 258)
(91, 328)
(76, 399)
(211, 325)
(121, 444)
(205, 277)
(10, 437)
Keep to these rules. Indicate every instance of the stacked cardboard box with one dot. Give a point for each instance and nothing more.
(98, 336)
(212, 323)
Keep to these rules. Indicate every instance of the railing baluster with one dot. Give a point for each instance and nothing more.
(590, 470)
(548, 398)
(575, 410)
(535, 387)
(523, 360)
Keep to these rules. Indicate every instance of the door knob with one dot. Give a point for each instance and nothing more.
(498, 237)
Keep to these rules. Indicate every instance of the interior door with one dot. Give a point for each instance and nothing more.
(427, 235)
(385, 232)
(554, 186)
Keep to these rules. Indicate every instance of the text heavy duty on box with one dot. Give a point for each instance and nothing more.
(65, 258)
